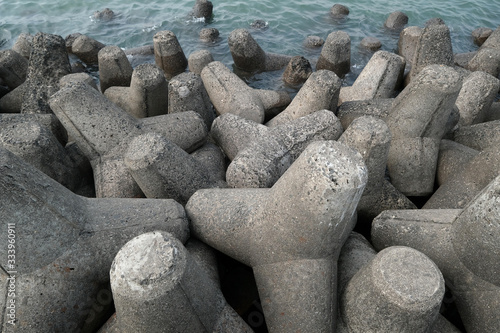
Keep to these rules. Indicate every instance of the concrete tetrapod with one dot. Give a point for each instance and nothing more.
(230, 94)
(418, 121)
(319, 92)
(371, 137)
(103, 132)
(158, 286)
(250, 57)
(290, 234)
(64, 245)
(465, 244)
(264, 154)
(357, 253)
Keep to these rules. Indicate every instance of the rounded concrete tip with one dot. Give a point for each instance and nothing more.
(148, 266)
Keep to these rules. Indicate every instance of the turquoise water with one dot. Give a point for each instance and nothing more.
(289, 23)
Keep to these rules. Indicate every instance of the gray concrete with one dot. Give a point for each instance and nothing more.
(336, 54)
(486, 60)
(339, 11)
(478, 92)
(230, 94)
(480, 35)
(357, 253)
(297, 71)
(49, 121)
(408, 42)
(169, 55)
(12, 102)
(371, 137)
(290, 234)
(147, 95)
(464, 245)
(48, 63)
(380, 78)
(114, 68)
(158, 286)
(163, 170)
(13, 68)
(65, 245)
(103, 132)
(371, 43)
(198, 60)
(319, 92)
(433, 48)
(479, 136)
(186, 92)
(38, 146)
(452, 158)
(209, 35)
(493, 41)
(265, 157)
(396, 20)
(23, 45)
(348, 111)
(87, 49)
(418, 121)
(399, 290)
(313, 42)
(73, 78)
(203, 9)
(250, 57)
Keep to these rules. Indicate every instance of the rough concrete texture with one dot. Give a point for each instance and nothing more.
(265, 158)
(169, 55)
(480, 35)
(418, 121)
(147, 95)
(452, 157)
(37, 145)
(433, 48)
(250, 57)
(319, 92)
(463, 243)
(163, 170)
(396, 20)
(493, 41)
(230, 94)
(186, 92)
(478, 92)
(371, 137)
(48, 63)
(114, 68)
(371, 43)
(348, 111)
(479, 136)
(399, 290)
(408, 41)
(380, 78)
(23, 44)
(12, 102)
(356, 253)
(313, 42)
(336, 54)
(209, 35)
(198, 60)
(13, 68)
(159, 287)
(297, 71)
(65, 245)
(290, 234)
(70, 79)
(339, 11)
(203, 9)
(103, 131)
(486, 60)
(87, 49)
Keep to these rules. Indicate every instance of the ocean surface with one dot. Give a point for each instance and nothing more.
(288, 23)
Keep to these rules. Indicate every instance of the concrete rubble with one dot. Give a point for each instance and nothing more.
(129, 193)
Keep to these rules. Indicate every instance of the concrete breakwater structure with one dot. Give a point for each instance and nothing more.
(173, 197)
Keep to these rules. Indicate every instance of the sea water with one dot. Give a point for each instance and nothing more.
(288, 23)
